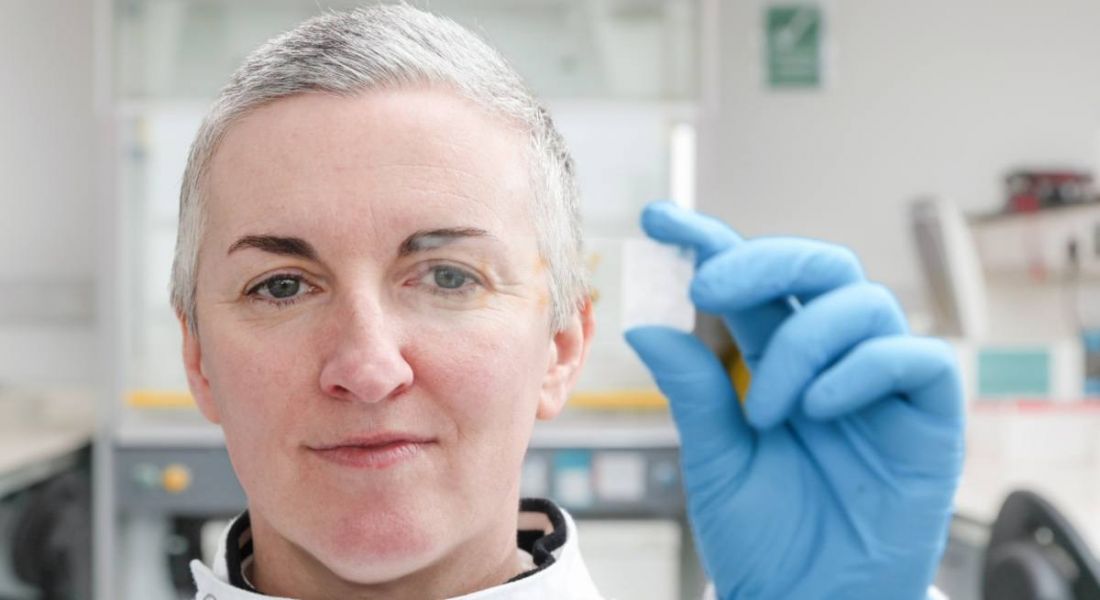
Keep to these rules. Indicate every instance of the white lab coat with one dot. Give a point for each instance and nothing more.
(565, 579)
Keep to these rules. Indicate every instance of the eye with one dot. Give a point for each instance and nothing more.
(449, 278)
(446, 279)
(281, 289)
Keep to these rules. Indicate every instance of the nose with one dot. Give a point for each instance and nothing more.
(364, 361)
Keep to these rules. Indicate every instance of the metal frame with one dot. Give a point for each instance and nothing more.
(109, 298)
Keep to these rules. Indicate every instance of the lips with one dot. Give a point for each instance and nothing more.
(378, 451)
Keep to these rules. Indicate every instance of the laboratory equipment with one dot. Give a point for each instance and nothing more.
(1029, 190)
(1090, 340)
(1035, 553)
(951, 270)
(1017, 555)
(45, 524)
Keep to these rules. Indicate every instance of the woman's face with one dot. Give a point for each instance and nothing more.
(374, 326)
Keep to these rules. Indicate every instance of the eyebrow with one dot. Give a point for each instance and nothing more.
(285, 246)
(434, 238)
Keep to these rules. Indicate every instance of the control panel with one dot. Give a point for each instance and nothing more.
(606, 482)
(181, 481)
(597, 483)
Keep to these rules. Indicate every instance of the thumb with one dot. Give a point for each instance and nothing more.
(713, 431)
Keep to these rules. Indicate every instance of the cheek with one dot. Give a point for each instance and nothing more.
(480, 372)
(486, 388)
(263, 390)
(256, 381)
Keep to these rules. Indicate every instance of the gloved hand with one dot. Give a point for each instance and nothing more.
(835, 479)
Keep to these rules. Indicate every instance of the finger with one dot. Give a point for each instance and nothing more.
(752, 328)
(811, 340)
(713, 431)
(671, 224)
(668, 223)
(902, 394)
(769, 269)
(921, 370)
(908, 438)
(752, 285)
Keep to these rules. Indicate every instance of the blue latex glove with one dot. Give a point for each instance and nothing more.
(836, 478)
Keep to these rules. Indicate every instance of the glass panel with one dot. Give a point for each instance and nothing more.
(631, 49)
(617, 75)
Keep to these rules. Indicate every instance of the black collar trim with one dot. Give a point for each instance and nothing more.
(539, 544)
(536, 542)
(238, 549)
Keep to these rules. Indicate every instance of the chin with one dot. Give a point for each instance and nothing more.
(374, 548)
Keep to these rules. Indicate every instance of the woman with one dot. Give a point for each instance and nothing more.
(379, 281)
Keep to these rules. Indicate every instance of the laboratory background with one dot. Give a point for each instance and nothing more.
(952, 144)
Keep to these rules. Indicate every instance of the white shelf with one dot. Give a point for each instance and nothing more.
(1036, 244)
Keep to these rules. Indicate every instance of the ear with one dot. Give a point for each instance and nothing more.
(568, 351)
(196, 379)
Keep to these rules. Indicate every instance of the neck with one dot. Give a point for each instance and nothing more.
(282, 568)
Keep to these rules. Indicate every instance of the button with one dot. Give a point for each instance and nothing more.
(573, 478)
(176, 478)
(146, 475)
(666, 474)
(620, 476)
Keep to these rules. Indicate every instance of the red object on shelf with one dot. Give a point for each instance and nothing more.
(1029, 191)
(1025, 203)
(1085, 404)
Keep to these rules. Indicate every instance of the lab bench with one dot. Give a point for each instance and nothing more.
(45, 512)
(32, 455)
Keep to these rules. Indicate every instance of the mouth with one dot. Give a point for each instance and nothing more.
(380, 451)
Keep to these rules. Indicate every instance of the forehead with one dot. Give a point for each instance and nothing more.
(379, 162)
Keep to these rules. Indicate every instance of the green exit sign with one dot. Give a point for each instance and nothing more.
(794, 45)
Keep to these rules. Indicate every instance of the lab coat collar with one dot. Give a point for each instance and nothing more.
(564, 576)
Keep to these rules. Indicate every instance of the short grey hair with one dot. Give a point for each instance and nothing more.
(392, 46)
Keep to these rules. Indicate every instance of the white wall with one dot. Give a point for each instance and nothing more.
(926, 97)
(934, 97)
(48, 238)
